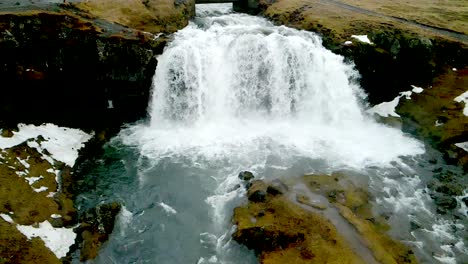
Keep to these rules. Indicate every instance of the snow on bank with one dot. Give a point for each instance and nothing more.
(362, 38)
(387, 109)
(7, 218)
(462, 145)
(62, 143)
(58, 240)
(463, 98)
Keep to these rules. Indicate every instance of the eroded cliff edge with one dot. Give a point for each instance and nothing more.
(80, 64)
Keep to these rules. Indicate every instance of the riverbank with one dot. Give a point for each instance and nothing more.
(75, 66)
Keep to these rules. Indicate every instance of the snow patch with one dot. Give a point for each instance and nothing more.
(167, 208)
(62, 143)
(417, 89)
(462, 145)
(32, 180)
(24, 163)
(362, 38)
(387, 109)
(21, 173)
(463, 98)
(7, 218)
(55, 216)
(58, 240)
(463, 208)
(40, 189)
(347, 43)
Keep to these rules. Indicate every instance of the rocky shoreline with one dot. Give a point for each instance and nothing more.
(98, 63)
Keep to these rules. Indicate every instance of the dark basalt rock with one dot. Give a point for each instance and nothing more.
(258, 196)
(246, 175)
(261, 239)
(444, 202)
(465, 201)
(63, 69)
(95, 227)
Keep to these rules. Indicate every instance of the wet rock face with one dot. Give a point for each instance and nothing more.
(246, 175)
(95, 227)
(60, 68)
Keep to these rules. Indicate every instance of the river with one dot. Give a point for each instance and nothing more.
(233, 92)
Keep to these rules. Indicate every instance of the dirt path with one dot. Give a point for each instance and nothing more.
(441, 31)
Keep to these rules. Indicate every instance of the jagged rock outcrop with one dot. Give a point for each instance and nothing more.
(95, 227)
(66, 65)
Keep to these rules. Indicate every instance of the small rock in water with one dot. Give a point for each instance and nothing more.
(246, 175)
(444, 202)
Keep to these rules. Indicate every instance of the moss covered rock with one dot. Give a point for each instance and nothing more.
(292, 228)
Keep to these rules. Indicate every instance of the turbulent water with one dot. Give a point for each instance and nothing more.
(233, 92)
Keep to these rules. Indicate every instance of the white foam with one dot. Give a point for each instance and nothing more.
(446, 259)
(168, 209)
(125, 216)
(463, 98)
(463, 208)
(362, 38)
(58, 240)
(62, 143)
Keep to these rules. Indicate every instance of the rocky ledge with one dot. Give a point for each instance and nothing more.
(319, 219)
(82, 64)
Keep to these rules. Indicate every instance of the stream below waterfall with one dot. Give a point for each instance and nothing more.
(233, 92)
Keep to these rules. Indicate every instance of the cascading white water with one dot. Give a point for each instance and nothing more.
(233, 92)
(237, 81)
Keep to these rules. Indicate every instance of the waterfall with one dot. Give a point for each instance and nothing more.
(236, 83)
(234, 92)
